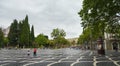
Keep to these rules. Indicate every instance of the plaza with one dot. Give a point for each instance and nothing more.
(58, 57)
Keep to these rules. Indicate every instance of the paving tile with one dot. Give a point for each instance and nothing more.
(105, 64)
(62, 64)
(86, 59)
(40, 64)
(84, 64)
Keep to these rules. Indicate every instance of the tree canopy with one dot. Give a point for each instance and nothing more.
(13, 33)
(41, 40)
(58, 33)
(59, 38)
(100, 14)
(20, 34)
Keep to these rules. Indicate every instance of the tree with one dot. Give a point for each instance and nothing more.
(32, 34)
(101, 14)
(85, 36)
(61, 42)
(41, 40)
(51, 43)
(13, 34)
(58, 33)
(20, 34)
(32, 37)
(1, 37)
(6, 42)
(25, 32)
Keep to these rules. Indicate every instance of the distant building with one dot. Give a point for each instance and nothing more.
(73, 41)
(6, 31)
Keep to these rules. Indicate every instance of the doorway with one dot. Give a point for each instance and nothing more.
(115, 46)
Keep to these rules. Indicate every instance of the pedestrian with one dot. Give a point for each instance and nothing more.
(115, 46)
(28, 52)
(34, 52)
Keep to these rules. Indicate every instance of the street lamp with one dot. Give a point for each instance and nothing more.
(100, 46)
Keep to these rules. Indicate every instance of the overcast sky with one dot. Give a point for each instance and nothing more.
(45, 15)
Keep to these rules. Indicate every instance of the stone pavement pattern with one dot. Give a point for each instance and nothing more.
(59, 57)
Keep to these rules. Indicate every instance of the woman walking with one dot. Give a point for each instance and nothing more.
(34, 52)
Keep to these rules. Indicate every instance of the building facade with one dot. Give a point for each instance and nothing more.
(6, 31)
(111, 41)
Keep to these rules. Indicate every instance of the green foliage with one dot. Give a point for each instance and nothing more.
(58, 33)
(101, 15)
(13, 34)
(25, 34)
(81, 39)
(59, 40)
(20, 35)
(32, 34)
(6, 41)
(1, 37)
(41, 40)
(85, 36)
(51, 43)
(88, 35)
(32, 37)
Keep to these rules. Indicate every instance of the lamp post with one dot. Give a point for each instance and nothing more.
(100, 46)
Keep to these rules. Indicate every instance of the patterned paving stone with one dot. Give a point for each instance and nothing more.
(54, 59)
(40, 64)
(62, 64)
(86, 59)
(116, 59)
(15, 64)
(84, 64)
(102, 59)
(59, 57)
(1, 63)
(105, 64)
(118, 62)
(70, 60)
(73, 57)
(90, 57)
(34, 59)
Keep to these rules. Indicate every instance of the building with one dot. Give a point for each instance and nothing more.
(110, 39)
(73, 41)
(6, 31)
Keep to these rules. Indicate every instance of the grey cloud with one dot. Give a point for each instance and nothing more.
(45, 15)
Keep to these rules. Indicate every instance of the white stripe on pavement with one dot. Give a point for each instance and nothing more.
(113, 61)
(76, 61)
(95, 62)
(91, 53)
(52, 63)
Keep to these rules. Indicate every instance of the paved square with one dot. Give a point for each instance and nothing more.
(58, 57)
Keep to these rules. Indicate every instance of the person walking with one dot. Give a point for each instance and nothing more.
(34, 52)
(115, 46)
(28, 52)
